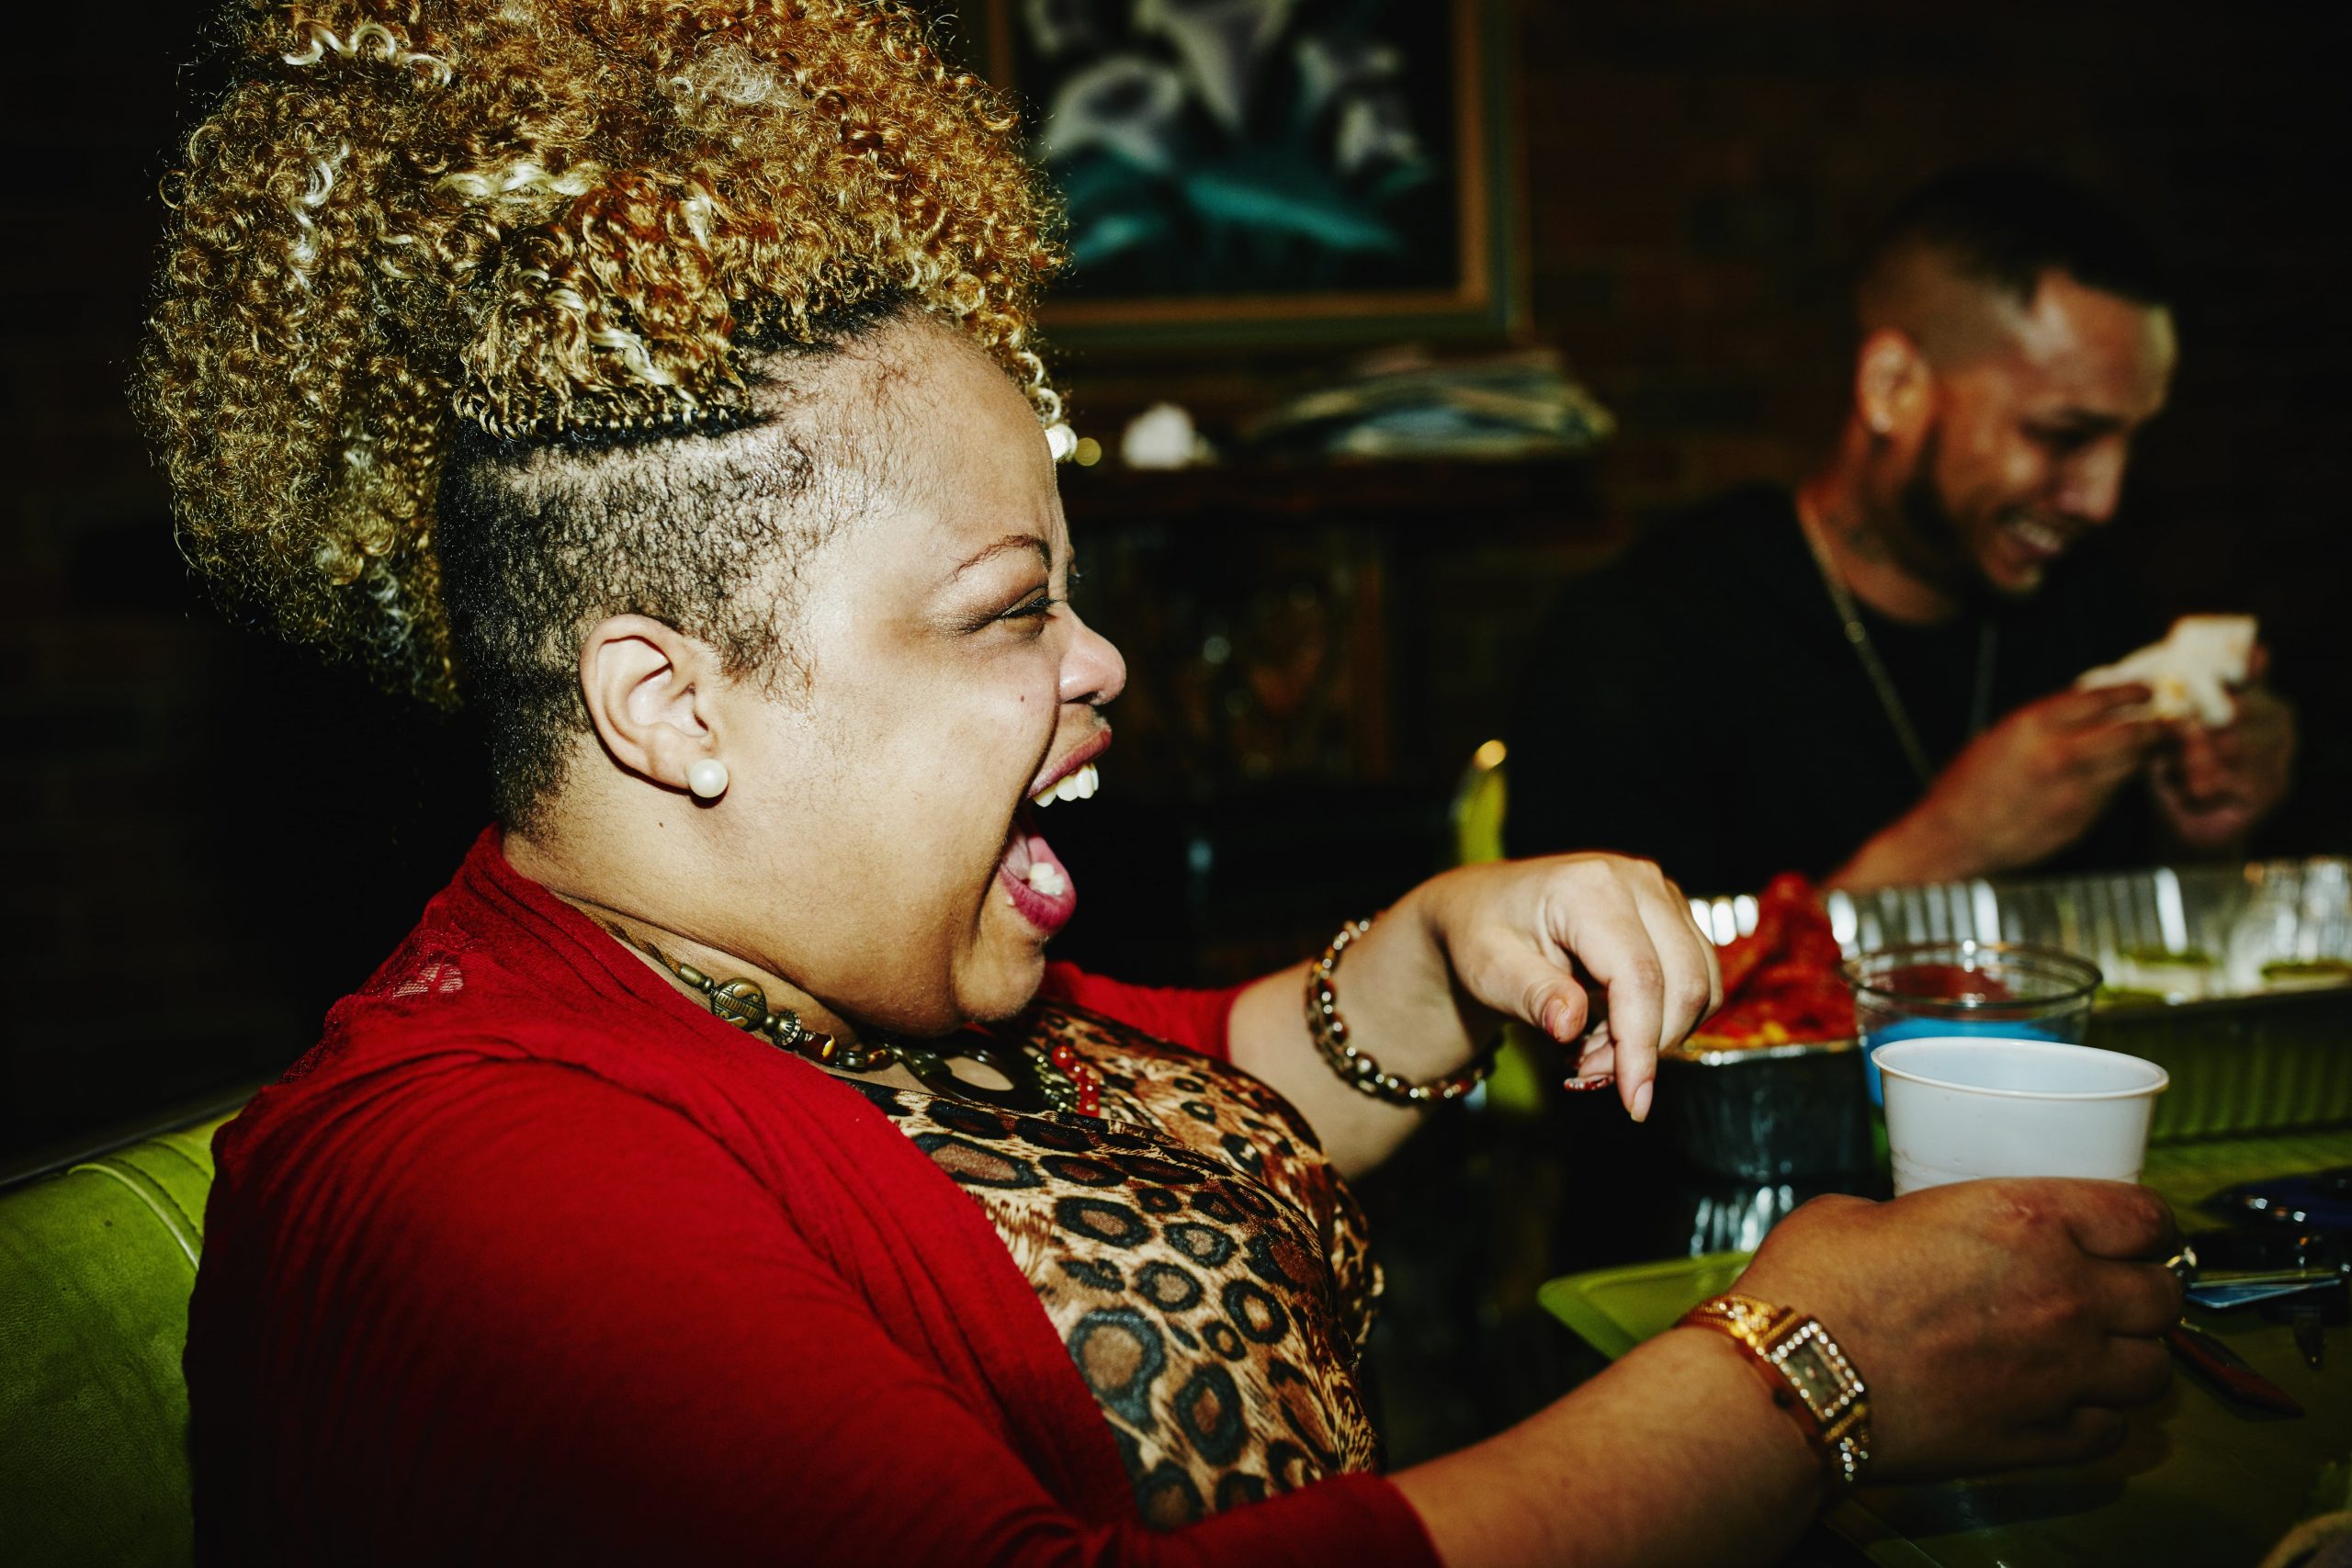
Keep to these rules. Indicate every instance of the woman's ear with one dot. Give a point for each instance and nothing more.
(648, 689)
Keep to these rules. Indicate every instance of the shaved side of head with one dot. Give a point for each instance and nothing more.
(1921, 291)
(1958, 264)
(709, 533)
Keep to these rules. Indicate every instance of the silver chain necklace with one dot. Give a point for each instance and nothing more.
(1858, 637)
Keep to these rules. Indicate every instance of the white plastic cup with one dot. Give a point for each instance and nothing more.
(1960, 1108)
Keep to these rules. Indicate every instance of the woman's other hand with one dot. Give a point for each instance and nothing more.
(1996, 1322)
(1594, 946)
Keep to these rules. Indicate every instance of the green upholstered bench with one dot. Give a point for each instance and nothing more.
(95, 1264)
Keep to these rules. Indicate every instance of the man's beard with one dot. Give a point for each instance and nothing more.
(1928, 543)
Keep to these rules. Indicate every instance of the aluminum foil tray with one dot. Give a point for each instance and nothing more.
(2219, 974)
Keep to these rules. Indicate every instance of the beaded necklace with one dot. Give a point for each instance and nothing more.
(1037, 1080)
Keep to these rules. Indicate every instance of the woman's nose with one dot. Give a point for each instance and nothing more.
(1093, 670)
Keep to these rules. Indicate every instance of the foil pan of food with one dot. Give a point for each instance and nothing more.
(2237, 980)
(1770, 1088)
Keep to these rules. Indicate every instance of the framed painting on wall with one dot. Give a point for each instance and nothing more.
(1271, 171)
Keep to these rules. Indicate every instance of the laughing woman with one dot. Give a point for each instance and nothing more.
(720, 1172)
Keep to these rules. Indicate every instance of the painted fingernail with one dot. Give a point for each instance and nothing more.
(1586, 1086)
(1642, 1103)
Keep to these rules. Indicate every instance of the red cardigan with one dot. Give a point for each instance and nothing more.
(533, 1260)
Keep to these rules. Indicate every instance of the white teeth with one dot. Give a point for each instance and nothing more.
(1079, 784)
(1046, 878)
(2040, 537)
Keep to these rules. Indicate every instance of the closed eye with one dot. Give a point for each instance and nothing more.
(2065, 437)
(2060, 441)
(1036, 607)
(1043, 603)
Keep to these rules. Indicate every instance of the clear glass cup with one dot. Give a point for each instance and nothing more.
(1997, 989)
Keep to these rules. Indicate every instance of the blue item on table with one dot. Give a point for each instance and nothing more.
(2221, 1297)
(2232, 1264)
(1944, 1029)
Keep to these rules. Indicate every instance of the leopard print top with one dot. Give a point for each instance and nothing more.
(1200, 1257)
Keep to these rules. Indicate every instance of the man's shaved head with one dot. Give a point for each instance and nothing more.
(1965, 255)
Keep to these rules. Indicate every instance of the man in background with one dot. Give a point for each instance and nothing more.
(1870, 680)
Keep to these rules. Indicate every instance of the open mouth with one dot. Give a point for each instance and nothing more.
(2038, 541)
(1033, 877)
(1034, 881)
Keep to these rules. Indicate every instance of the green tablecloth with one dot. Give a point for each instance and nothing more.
(2200, 1482)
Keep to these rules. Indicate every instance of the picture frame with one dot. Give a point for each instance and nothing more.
(1271, 173)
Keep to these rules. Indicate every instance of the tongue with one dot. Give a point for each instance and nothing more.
(1028, 848)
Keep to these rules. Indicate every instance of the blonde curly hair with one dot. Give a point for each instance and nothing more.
(576, 223)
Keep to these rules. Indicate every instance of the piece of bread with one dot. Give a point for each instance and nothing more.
(2190, 672)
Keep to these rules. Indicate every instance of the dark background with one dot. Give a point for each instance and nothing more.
(206, 840)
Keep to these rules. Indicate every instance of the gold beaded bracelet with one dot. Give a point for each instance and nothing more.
(1329, 1033)
(1809, 1375)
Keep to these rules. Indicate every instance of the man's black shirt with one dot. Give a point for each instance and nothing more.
(1697, 702)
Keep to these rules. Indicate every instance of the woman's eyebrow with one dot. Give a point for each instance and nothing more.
(1010, 542)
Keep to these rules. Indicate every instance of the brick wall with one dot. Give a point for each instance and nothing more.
(205, 839)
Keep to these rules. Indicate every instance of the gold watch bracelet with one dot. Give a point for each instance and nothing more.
(1807, 1373)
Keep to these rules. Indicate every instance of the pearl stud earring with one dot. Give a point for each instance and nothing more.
(708, 779)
